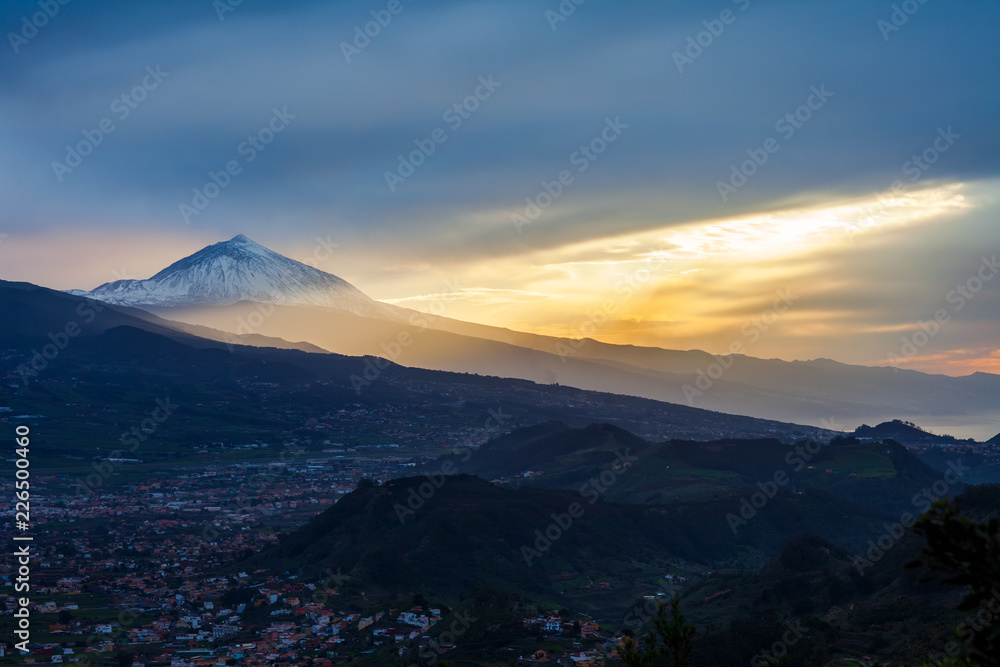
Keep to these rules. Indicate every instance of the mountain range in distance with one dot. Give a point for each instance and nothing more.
(245, 289)
(730, 503)
(61, 350)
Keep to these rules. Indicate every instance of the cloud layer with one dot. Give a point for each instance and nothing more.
(695, 92)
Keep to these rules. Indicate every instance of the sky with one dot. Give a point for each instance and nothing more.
(674, 174)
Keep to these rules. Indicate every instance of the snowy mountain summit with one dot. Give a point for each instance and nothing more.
(232, 271)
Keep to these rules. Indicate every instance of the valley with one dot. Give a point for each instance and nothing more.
(296, 501)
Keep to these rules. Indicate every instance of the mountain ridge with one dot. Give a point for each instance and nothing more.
(234, 271)
(339, 318)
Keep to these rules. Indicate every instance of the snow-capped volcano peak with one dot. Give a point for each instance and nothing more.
(245, 242)
(232, 271)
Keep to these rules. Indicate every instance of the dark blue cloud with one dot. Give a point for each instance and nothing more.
(558, 87)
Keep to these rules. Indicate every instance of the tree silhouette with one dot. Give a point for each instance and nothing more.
(967, 552)
(669, 642)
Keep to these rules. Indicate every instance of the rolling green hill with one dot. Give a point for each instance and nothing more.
(845, 609)
(881, 476)
(553, 544)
